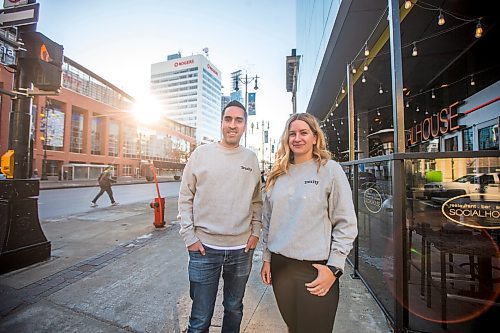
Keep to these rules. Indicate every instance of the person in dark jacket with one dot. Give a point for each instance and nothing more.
(105, 180)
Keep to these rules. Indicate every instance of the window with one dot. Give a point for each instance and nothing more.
(451, 144)
(76, 136)
(467, 139)
(127, 170)
(113, 138)
(488, 138)
(96, 136)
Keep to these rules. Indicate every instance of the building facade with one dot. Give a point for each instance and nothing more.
(88, 126)
(408, 96)
(189, 90)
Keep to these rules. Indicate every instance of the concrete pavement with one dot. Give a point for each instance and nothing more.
(112, 271)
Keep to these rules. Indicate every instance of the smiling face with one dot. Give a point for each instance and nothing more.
(301, 140)
(232, 127)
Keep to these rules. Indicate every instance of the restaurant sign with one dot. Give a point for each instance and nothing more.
(477, 210)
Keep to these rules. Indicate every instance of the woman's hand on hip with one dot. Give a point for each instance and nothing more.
(265, 272)
(323, 282)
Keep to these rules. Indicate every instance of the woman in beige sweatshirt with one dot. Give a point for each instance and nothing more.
(309, 226)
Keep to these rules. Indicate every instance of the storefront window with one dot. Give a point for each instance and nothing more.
(467, 139)
(488, 138)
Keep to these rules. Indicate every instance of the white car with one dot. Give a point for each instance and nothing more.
(468, 184)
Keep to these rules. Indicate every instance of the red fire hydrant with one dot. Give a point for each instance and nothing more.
(159, 204)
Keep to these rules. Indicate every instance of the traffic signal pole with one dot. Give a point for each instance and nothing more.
(22, 241)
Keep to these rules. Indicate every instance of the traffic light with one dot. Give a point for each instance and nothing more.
(42, 61)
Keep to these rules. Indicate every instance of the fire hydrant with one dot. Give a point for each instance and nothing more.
(159, 204)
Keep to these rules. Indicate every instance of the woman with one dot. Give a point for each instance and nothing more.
(309, 227)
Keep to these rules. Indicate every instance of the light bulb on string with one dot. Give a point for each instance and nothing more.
(408, 4)
(414, 52)
(336, 103)
(472, 82)
(367, 52)
(433, 96)
(353, 70)
(407, 104)
(417, 109)
(343, 90)
(363, 79)
(365, 67)
(479, 29)
(380, 90)
(441, 19)
(341, 122)
(426, 112)
(378, 113)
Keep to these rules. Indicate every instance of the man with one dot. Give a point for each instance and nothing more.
(105, 180)
(220, 211)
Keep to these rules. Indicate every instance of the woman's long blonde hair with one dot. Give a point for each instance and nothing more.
(284, 156)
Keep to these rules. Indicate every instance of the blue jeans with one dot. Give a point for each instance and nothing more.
(204, 273)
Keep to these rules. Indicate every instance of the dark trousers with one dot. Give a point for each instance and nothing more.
(302, 311)
(101, 192)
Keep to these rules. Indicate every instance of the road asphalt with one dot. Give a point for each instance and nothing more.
(111, 270)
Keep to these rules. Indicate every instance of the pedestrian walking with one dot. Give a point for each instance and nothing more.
(220, 212)
(309, 226)
(105, 180)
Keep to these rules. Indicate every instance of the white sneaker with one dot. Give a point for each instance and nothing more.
(115, 204)
(93, 204)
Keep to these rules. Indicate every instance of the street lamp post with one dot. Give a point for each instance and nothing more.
(245, 81)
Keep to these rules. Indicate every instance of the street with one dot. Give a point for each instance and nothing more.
(57, 203)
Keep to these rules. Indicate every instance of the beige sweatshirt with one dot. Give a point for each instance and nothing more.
(220, 201)
(309, 215)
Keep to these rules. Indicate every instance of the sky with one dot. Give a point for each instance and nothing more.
(119, 40)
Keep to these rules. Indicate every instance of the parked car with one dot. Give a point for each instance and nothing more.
(468, 184)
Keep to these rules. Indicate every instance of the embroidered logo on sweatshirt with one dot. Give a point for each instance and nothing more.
(315, 182)
(246, 168)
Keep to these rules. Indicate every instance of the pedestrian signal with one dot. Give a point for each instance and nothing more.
(42, 61)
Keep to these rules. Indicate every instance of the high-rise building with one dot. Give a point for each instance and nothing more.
(189, 90)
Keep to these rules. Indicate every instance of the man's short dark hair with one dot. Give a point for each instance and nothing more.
(238, 105)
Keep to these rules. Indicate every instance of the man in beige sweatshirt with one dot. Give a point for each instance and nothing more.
(220, 211)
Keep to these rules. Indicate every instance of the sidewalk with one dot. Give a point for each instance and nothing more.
(112, 271)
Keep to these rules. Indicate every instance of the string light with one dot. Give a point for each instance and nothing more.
(353, 70)
(418, 109)
(432, 94)
(336, 103)
(479, 29)
(367, 52)
(407, 104)
(408, 4)
(363, 79)
(378, 113)
(380, 90)
(472, 82)
(341, 122)
(365, 67)
(343, 90)
(415, 51)
(441, 20)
